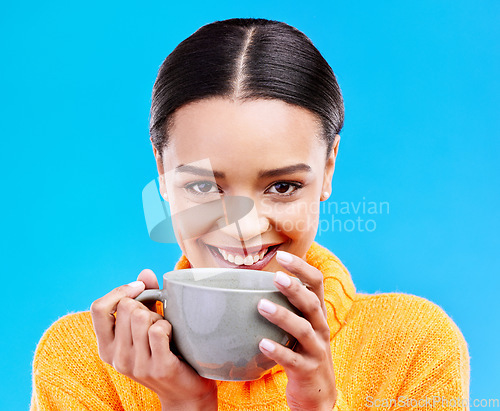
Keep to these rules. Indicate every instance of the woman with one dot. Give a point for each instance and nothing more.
(249, 107)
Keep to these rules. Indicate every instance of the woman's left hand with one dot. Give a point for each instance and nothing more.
(309, 368)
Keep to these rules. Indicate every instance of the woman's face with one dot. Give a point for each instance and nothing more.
(244, 179)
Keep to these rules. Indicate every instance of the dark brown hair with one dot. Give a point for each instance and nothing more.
(246, 59)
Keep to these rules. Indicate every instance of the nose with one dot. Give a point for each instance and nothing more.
(247, 229)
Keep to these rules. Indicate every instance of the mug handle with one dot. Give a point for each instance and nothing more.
(151, 296)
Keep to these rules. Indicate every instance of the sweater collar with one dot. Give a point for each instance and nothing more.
(339, 288)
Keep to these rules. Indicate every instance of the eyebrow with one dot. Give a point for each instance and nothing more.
(262, 174)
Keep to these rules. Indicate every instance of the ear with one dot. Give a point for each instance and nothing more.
(329, 169)
(161, 171)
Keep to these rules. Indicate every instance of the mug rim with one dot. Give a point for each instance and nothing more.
(274, 289)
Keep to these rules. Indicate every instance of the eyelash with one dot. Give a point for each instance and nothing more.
(189, 188)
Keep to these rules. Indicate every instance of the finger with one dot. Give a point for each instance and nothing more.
(159, 339)
(148, 277)
(294, 325)
(310, 276)
(102, 311)
(165, 365)
(288, 359)
(123, 331)
(123, 357)
(306, 301)
(140, 321)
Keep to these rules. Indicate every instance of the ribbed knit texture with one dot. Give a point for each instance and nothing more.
(385, 348)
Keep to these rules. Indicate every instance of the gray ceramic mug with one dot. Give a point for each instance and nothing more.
(216, 326)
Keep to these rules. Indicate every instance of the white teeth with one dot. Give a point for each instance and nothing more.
(240, 260)
(248, 260)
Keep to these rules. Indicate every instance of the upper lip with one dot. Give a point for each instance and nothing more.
(244, 251)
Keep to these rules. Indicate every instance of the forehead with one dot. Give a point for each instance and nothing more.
(257, 132)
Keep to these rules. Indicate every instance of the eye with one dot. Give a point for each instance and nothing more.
(202, 188)
(284, 188)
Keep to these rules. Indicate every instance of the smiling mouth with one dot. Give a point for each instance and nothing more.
(255, 261)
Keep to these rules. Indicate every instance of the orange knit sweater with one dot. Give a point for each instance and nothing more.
(388, 350)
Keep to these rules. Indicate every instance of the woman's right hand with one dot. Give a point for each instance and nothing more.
(137, 344)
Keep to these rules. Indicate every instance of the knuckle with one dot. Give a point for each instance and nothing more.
(121, 367)
(155, 317)
(293, 361)
(122, 363)
(325, 335)
(104, 354)
(140, 316)
(317, 280)
(159, 329)
(101, 304)
(125, 305)
(314, 306)
(96, 307)
(306, 332)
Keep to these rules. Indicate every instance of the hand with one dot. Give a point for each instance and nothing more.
(137, 344)
(309, 368)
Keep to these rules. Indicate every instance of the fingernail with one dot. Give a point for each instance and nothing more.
(283, 279)
(267, 306)
(266, 345)
(284, 256)
(136, 284)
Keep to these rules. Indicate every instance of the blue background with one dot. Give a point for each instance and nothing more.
(421, 89)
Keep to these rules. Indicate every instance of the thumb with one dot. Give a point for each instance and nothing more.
(148, 277)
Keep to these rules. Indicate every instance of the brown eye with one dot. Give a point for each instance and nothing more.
(284, 188)
(202, 187)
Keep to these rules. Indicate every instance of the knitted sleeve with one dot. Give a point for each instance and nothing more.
(438, 370)
(400, 351)
(69, 375)
(64, 368)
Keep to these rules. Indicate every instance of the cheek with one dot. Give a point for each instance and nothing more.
(298, 220)
(192, 220)
(197, 254)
